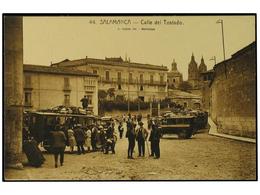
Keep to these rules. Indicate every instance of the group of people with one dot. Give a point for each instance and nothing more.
(137, 132)
(94, 138)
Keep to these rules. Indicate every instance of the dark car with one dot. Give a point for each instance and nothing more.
(183, 126)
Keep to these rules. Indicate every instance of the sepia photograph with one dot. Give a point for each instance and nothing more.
(129, 97)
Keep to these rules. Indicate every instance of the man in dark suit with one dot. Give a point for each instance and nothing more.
(155, 139)
(58, 145)
(110, 139)
(84, 101)
(141, 136)
(80, 138)
(130, 134)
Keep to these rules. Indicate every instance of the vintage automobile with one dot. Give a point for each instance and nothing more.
(182, 125)
(40, 124)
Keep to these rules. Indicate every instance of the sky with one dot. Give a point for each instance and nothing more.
(145, 39)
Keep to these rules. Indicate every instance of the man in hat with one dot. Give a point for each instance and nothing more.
(84, 101)
(155, 140)
(130, 134)
(141, 136)
(58, 145)
(110, 138)
(80, 138)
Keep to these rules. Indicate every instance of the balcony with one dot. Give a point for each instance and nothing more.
(28, 86)
(67, 88)
(132, 81)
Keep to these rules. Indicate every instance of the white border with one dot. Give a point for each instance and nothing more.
(129, 6)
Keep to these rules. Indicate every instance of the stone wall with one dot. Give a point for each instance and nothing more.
(233, 93)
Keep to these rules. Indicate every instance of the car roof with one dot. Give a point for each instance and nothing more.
(61, 114)
(176, 117)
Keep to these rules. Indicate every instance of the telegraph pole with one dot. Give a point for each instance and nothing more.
(128, 103)
(220, 21)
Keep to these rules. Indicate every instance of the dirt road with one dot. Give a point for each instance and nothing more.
(203, 157)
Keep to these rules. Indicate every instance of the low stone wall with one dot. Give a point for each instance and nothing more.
(238, 126)
(233, 94)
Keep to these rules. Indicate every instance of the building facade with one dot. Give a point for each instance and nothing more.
(187, 100)
(47, 87)
(233, 94)
(174, 77)
(128, 79)
(194, 72)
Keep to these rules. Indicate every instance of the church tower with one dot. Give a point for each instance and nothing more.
(193, 72)
(202, 66)
(174, 77)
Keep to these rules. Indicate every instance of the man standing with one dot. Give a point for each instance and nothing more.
(141, 138)
(121, 130)
(80, 138)
(84, 101)
(151, 139)
(155, 140)
(58, 145)
(110, 143)
(130, 134)
(94, 138)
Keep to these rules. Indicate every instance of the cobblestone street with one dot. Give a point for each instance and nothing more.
(203, 157)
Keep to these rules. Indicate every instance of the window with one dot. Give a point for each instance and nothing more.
(119, 76)
(130, 77)
(161, 78)
(151, 79)
(66, 83)
(173, 80)
(107, 75)
(94, 71)
(67, 100)
(89, 99)
(141, 88)
(119, 87)
(27, 98)
(141, 78)
(28, 82)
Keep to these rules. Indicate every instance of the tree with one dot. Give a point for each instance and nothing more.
(111, 92)
(185, 86)
(102, 94)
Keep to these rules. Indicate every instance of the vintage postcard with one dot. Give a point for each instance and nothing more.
(129, 97)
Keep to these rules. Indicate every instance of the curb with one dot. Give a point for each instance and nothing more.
(213, 132)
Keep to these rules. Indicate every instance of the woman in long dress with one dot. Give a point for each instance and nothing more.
(72, 140)
(88, 140)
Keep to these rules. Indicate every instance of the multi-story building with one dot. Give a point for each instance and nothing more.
(128, 79)
(48, 87)
(174, 77)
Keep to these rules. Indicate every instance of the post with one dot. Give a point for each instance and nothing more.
(128, 103)
(159, 107)
(13, 90)
(151, 108)
(223, 44)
